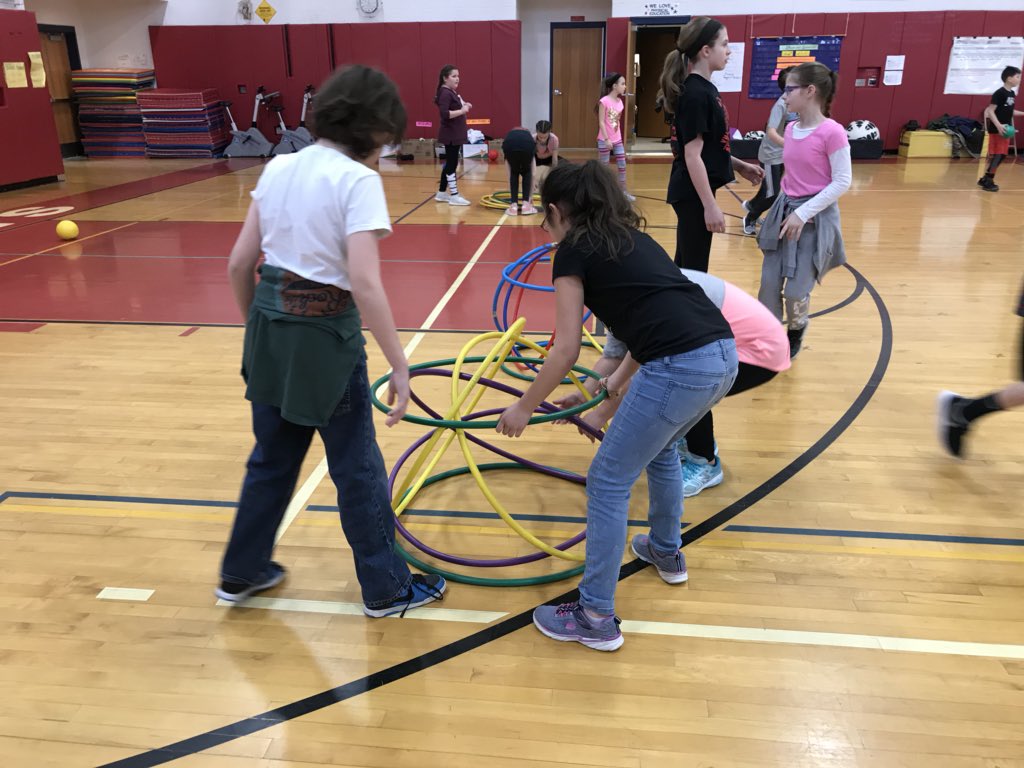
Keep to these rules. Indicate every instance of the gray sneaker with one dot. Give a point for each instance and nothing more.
(569, 623)
(671, 568)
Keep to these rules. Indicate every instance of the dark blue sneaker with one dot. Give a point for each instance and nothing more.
(423, 589)
(237, 591)
(569, 623)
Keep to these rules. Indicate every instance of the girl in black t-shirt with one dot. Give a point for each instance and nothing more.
(704, 162)
(683, 355)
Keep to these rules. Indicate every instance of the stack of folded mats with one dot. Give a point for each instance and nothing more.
(184, 123)
(108, 110)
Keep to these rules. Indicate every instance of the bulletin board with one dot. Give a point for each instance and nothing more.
(773, 54)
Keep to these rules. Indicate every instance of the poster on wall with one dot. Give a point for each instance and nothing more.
(730, 79)
(773, 54)
(975, 63)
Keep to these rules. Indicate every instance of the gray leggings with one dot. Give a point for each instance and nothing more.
(792, 293)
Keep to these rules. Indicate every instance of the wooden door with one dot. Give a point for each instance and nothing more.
(57, 64)
(576, 57)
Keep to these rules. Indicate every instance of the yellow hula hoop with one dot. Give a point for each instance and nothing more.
(487, 369)
(502, 199)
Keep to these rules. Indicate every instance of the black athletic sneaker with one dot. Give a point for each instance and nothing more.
(796, 340)
(236, 591)
(422, 590)
(951, 424)
(988, 185)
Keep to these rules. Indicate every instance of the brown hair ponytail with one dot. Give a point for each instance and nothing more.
(700, 31)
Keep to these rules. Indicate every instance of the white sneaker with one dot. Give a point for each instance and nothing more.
(442, 197)
(457, 200)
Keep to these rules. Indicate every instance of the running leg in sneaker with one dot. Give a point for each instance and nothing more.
(951, 424)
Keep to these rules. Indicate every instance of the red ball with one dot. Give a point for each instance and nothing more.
(493, 155)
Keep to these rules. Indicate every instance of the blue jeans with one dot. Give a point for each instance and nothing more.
(357, 469)
(665, 399)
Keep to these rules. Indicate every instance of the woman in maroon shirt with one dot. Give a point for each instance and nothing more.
(453, 133)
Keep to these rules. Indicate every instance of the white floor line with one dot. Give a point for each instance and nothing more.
(356, 609)
(301, 498)
(125, 593)
(839, 640)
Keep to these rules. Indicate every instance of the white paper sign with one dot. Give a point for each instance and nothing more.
(893, 77)
(975, 63)
(895, 62)
(661, 9)
(730, 79)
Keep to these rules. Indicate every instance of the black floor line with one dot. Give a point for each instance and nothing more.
(251, 725)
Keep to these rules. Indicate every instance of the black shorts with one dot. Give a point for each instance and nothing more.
(518, 141)
(543, 160)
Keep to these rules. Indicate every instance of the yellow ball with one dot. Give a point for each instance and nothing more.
(67, 230)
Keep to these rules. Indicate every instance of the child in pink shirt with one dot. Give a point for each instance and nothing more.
(801, 237)
(610, 110)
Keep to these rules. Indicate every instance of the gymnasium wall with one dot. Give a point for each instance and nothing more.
(925, 38)
(342, 11)
(110, 34)
(288, 57)
(536, 17)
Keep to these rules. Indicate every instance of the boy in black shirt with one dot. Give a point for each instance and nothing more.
(999, 116)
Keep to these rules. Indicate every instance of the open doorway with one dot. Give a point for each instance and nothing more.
(647, 45)
(652, 46)
(59, 47)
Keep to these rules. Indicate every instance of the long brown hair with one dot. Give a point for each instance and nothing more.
(446, 70)
(700, 31)
(588, 195)
(824, 80)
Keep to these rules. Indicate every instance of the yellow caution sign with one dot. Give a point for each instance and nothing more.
(265, 11)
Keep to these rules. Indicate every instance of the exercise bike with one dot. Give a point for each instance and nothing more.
(292, 140)
(250, 142)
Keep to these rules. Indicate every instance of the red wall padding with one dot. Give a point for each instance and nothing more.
(924, 38)
(287, 58)
(27, 130)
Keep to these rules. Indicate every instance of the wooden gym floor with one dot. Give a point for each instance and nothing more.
(856, 598)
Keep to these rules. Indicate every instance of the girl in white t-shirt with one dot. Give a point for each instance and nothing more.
(801, 237)
(610, 110)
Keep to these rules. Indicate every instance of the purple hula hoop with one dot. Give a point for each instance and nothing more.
(550, 471)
